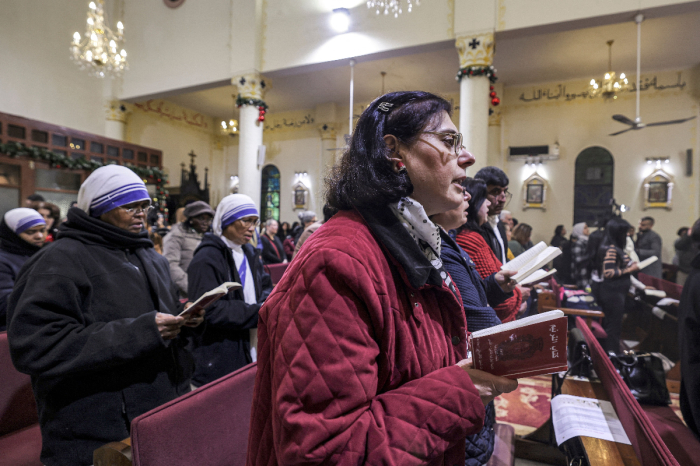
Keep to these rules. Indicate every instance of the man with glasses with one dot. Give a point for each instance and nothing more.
(496, 192)
(93, 318)
(226, 255)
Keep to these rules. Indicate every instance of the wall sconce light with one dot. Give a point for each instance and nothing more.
(340, 20)
(658, 161)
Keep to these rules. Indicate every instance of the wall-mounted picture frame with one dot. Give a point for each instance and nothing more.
(658, 190)
(535, 192)
(300, 196)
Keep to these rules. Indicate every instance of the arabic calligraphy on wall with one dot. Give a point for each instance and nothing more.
(559, 92)
(289, 123)
(173, 112)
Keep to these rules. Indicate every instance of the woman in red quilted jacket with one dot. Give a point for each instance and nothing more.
(362, 344)
(469, 237)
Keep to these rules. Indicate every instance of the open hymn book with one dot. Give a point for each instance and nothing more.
(531, 261)
(210, 297)
(531, 346)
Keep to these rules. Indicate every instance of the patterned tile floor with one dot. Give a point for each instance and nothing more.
(527, 407)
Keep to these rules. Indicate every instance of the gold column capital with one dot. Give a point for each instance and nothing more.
(116, 110)
(251, 85)
(475, 49)
(327, 131)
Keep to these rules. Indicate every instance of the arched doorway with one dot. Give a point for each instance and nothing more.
(593, 189)
(270, 193)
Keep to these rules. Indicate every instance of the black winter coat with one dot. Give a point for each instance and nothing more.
(224, 345)
(82, 324)
(270, 251)
(14, 252)
(689, 340)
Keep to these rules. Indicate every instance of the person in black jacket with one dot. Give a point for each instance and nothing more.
(91, 320)
(476, 296)
(227, 256)
(22, 233)
(497, 188)
(689, 340)
(272, 250)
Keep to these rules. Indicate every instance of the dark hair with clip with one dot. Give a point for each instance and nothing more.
(364, 177)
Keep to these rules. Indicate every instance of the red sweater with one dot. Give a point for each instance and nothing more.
(487, 263)
(355, 365)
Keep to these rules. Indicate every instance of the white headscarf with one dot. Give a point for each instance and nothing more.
(22, 219)
(577, 231)
(110, 187)
(230, 209)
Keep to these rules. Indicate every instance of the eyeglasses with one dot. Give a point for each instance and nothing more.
(498, 192)
(249, 222)
(456, 139)
(137, 209)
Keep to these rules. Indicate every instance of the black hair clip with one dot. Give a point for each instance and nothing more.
(385, 107)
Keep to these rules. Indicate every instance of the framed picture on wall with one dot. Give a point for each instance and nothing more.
(534, 192)
(300, 196)
(658, 190)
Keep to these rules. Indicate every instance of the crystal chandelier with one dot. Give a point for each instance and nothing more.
(98, 51)
(393, 6)
(231, 127)
(610, 85)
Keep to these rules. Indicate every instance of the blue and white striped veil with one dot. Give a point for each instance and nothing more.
(230, 209)
(110, 187)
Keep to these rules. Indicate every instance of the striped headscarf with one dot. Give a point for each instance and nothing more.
(230, 209)
(110, 187)
(22, 219)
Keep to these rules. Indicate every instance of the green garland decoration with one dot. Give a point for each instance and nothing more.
(17, 149)
(471, 71)
(241, 101)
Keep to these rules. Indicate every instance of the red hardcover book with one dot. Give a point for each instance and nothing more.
(532, 346)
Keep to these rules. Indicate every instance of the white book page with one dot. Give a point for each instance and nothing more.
(537, 318)
(647, 262)
(540, 260)
(575, 416)
(524, 258)
(537, 276)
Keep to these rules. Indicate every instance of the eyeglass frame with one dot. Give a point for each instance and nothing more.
(508, 194)
(137, 210)
(246, 222)
(457, 139)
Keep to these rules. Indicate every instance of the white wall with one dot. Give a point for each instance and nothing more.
(580, 124)
(37, 78)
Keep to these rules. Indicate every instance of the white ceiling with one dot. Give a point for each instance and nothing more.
(668, 43)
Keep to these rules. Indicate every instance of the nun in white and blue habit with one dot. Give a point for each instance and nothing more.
(15, 250)
(226, 344)
(82, 323)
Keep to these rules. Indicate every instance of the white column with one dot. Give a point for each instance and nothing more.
(251, 88)
(474, 118)
(475, 51)
(115, 119)
(250, 135)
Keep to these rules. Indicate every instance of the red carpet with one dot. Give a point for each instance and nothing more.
(527, 407)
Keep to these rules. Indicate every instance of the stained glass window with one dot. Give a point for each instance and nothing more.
(593, 190)
(270, 193)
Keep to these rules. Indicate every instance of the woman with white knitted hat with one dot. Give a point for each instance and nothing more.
(225, 255)
(22, 233)
(93, 318)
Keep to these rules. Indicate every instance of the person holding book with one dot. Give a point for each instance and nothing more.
(615, 267)
(22, 234)
(226, 255)
(363, 341)
(91, 320)
(649, 244)
(476, 295)
(472, 238)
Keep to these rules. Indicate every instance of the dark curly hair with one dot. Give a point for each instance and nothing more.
(364, 177)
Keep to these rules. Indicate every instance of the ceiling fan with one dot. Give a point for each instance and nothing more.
(637, 122)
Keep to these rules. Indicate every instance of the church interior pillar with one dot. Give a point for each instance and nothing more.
(476, 66)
